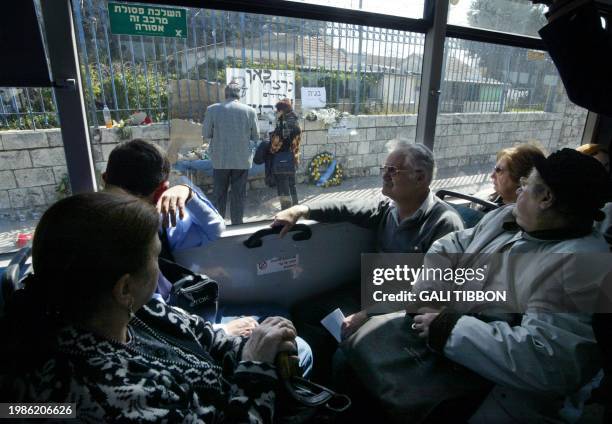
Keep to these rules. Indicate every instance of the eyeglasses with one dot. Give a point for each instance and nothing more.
(498, 169)
(392, 170)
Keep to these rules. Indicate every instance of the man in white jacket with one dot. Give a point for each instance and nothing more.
(551, 262)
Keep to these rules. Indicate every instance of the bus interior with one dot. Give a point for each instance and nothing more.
(465, 78)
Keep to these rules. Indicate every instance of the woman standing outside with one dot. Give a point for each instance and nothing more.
(285, 149)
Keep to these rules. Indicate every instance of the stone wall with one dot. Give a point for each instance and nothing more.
(32, 163)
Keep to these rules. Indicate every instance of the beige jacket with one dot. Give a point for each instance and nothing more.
(550, 355)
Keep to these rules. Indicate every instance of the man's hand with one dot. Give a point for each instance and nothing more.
(241, 326)
(288, 217)
(172, 200)
(353, 323)
(422, 322)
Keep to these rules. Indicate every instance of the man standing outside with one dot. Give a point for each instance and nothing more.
(230, 126)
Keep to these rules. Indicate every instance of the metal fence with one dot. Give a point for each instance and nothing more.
(364, 70)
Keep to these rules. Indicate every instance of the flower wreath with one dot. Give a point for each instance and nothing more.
(319, 164)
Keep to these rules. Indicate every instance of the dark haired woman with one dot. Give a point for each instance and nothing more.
(285, 149)
(85, 329)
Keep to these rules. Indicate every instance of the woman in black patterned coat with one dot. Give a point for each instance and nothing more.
(85, 329)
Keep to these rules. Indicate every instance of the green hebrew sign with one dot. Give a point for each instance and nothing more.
(130, 19)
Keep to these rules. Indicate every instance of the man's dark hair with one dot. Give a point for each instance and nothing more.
(137, 166)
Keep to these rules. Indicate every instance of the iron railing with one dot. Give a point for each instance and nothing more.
(365, 70)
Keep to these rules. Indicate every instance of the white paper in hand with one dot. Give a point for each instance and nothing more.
(333, 323)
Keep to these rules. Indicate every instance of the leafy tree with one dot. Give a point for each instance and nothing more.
(505, 64)
(515, 16)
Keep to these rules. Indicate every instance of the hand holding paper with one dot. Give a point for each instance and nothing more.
(333, 323)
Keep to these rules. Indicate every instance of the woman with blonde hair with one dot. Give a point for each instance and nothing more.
(512, 164)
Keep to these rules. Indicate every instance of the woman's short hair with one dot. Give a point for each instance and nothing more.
(84, 243)
(520, 159)
(284, 105)
(592, 149)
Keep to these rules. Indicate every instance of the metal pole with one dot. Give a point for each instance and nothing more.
(436, 13)
(358, 82)
(68, 88)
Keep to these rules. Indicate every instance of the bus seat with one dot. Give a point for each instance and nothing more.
(470, 216)
(13, 275)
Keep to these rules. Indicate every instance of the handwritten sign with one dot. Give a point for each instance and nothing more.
(313, 97)
(147, 20)
(262, 88)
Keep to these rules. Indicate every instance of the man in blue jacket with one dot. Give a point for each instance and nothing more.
(142, 169)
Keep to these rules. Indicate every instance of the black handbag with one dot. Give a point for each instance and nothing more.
(283, 163)
(262, 150)
(301, 400)
(410, 382)
(263, 156)
(195, 293)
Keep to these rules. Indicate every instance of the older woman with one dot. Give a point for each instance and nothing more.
(85, 329)
(512, 164)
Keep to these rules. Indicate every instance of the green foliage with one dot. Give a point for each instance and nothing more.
(515, 16)
(40, 102)
(124, 131)
(133, 81)
(30, 122)
(498, 63)
(63, 188)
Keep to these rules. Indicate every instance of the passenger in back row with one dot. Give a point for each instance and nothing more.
(408, 220)
(551, 263)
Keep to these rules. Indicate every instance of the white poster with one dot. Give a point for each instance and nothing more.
(262, 88)
(313, 97)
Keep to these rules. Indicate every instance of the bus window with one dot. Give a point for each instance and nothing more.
(518, 17)
(33, 172)
(353, 88)
(495, 97)
(408, 9)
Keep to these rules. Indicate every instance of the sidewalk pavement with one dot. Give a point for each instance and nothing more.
(262, 204)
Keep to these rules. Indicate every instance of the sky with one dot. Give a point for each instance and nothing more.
(406, 8)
